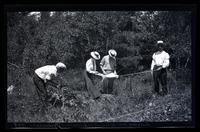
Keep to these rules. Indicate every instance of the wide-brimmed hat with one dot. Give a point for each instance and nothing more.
(160, 42)
(112, 53)
(95, 55)
(60, 65)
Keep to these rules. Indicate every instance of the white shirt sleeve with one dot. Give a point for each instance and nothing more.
(46, 72)
(48, 77)
(166, 61)
(102, 62)
(89, 66)
(152, 63)
(52, 72)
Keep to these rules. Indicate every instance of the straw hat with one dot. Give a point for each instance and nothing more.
(112, 53)
(60, 65)
(160, 43)
(95, 55)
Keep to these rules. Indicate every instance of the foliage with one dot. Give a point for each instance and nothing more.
(70, 36)
(131, 95)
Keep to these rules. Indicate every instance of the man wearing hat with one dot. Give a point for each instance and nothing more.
(108, 65)
(43, 76)
(160, 62)
(90, 74)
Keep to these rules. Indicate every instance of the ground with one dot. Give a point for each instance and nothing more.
(131, 101)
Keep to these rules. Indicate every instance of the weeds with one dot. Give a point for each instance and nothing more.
(130, 95)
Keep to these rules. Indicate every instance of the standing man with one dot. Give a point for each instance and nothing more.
(108, 65)
(90, 73)
(43, 76)
(160, 62)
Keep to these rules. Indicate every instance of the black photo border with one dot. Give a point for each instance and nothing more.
(98, 7)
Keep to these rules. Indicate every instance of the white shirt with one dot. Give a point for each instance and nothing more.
(108, 63)
(91, 66)
(46, 72)
(160, 59)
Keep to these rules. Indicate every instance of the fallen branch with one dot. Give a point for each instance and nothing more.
(13, 64)
(187, 62)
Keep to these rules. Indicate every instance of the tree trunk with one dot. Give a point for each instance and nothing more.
(107, 43)
(82, 60)
(88, 42)
(88, 39)
(178, 63)
(187, 62)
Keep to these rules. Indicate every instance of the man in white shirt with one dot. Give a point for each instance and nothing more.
(160, 62)
(43, 76)
(90, 73)
(108, 66)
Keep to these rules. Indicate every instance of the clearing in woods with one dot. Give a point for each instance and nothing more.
(132, 101)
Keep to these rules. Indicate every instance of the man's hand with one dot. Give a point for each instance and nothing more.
(115, 72)
(103, 77)
(160, 67)
(95, 72)
(104, 72)
(152, 72)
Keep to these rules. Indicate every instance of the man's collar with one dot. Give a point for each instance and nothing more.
(159, 52)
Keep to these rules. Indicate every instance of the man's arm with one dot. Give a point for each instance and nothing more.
(152, 65)
(101, 65)
(94, 72)
(166, 61)
(115, 67)
(102, 70)
(53, 83)
(89, 68)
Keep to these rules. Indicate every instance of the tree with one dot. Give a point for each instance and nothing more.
(70, 37)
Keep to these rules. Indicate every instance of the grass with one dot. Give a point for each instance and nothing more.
(131, 95)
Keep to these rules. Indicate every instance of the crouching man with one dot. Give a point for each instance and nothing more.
(43, 76)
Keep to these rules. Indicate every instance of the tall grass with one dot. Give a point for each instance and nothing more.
(129, 94)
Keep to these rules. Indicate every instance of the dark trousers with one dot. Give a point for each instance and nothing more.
(108, 85)
(40, 88)
(91, 85)
(160, 77)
